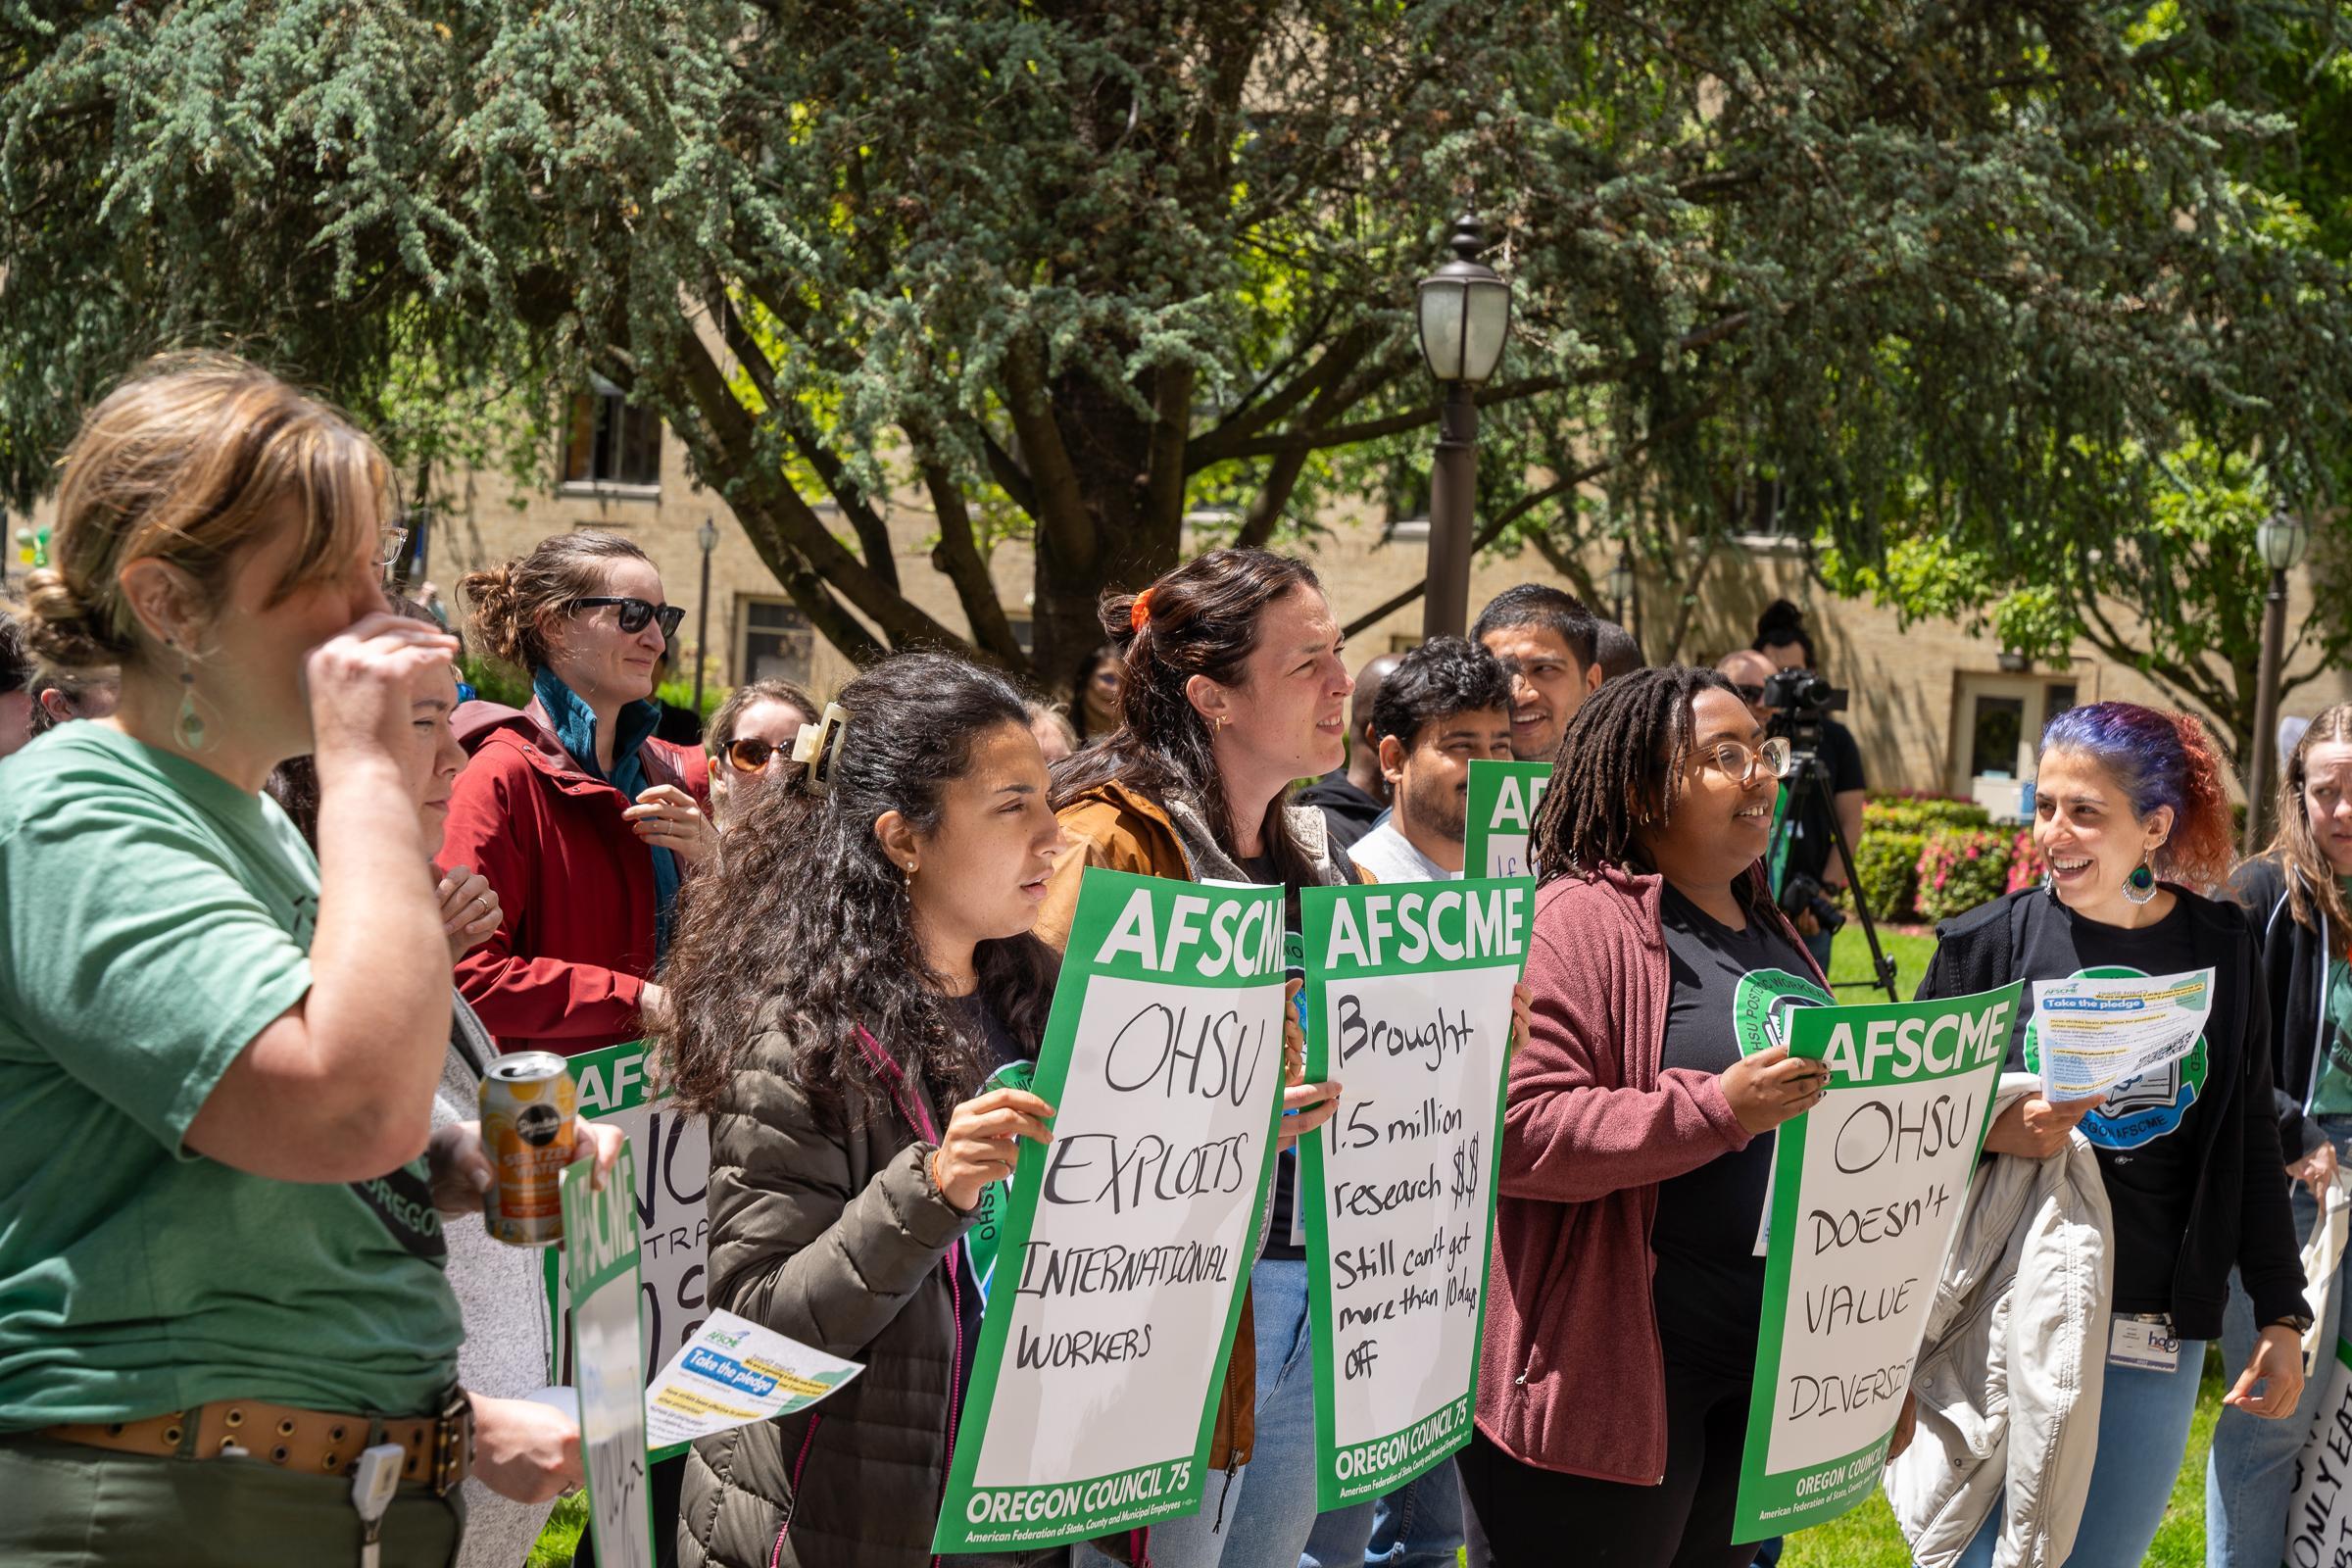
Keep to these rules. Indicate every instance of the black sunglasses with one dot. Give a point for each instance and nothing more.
(635, 612)
(1750, 694)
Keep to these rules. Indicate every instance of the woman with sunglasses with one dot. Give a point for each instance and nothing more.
(582, 822)
(1635, 1146)
(749, 743)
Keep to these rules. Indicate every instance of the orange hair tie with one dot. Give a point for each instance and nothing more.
(1139, 615)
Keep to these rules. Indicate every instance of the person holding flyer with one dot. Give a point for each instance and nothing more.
(2131, 816)
(2296, 897)
(1634, 1168)
(871, 922)
(1234, 688)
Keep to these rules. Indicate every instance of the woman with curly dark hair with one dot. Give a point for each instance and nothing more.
(845, 978)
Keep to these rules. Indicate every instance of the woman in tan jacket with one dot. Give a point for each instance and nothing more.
(1232, 687)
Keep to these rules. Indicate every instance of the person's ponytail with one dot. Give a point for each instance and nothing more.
(497, 620)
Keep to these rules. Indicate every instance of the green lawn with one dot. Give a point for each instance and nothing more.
(1910, 946)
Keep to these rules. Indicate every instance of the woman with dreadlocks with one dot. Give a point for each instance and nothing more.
(846, 980)
(1632, 1140)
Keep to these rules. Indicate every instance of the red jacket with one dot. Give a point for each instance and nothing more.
(565, 968)
(1571, 1376)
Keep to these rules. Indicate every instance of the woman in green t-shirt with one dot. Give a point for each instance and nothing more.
(212, 1045)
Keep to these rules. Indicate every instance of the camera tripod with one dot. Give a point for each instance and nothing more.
(1808, 779)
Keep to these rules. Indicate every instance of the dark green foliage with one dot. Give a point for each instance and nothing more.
(1887, 870)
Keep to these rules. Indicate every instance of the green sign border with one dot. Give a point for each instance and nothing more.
(1316, 913)
(1834, 1485)
(1102, 897)
(1486, 789)
(579, 1201)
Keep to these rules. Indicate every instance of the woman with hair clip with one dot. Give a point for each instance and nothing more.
(1634, 1164)
(750, 743)
(582, 822)
(2296, 897)
(847, 978)
(2132, 816)
(1232, 687)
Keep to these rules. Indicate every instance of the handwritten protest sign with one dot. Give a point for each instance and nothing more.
(1503, 797)
(1127, 1242)
(600, 1254)
(2099, 1030)
(1410, 999)
(2321, 1517)
(733, 1372)
(672, 1227)
(1868, 1190)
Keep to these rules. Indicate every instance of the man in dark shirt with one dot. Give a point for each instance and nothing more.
(1355, 797)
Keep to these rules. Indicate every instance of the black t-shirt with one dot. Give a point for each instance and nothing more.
(1812, 845)
(1348, 812)
(1260, 871)
(1727, 995)
(2146, 1134)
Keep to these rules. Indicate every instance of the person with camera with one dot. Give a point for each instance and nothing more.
(1779, 683)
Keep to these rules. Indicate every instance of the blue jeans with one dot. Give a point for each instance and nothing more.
(1419, 1525)
(1261, 1517)
(2143, 1432)
(2250, 1480)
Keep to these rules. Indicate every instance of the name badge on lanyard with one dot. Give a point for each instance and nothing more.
(2143, 1342)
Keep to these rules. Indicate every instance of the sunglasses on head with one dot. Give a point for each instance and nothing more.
(749, 755)
(635, 612)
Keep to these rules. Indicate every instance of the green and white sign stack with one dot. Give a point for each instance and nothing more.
(600, 1254)
(1868, 1190)
(1127, 1243)
(1410, 1005)
(1503, 798)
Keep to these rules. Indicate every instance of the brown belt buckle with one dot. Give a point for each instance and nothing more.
(453, 1444)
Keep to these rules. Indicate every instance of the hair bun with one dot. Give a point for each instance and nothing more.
(1781, 615)
(60, 629)
(1117, 611)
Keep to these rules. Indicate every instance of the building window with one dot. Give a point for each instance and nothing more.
(778, 643)
(606, 442)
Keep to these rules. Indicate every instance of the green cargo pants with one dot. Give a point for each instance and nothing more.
(73, 1507)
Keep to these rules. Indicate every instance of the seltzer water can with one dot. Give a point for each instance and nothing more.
(528, 1117)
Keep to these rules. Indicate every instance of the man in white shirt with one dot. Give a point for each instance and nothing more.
(1446, 703)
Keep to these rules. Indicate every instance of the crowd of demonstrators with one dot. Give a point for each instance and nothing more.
(1633, 1173)
(2131, 817)
(2295, 895)
(1354, 796)
(749, 743)
(1549, 641)
(221, 1255)
(582, 822)
(1232, 686)
(1445, 705)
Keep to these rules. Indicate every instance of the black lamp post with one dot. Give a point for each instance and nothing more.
(1621, 579)
(1466, 315)
(708, 537)
(2283, 538)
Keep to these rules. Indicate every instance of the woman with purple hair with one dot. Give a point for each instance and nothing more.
(2132, 816)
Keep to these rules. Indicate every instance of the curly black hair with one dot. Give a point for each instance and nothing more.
(806, 917)
(1442, 677)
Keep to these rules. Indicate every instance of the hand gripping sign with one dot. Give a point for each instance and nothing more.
(1868, 1190)
(1408, 991)
(1503, 798)
(1121, 1256)
(600, 1257)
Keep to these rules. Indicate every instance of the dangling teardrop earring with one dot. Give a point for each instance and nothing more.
(2140, 886)
(187, 726)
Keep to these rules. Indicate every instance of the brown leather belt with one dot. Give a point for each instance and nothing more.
(438, 1449)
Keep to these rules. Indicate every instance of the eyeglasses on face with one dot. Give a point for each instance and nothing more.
(1750, 693)
(635, 612)
(749, 754)
(1740, 762)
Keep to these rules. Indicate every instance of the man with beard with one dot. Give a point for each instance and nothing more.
(1446, 703)
(1549, 642)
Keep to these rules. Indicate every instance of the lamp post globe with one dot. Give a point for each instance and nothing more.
(1464, 314)
(2283, 538)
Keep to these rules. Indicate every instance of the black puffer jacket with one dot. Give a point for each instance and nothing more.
(2294, 969)
(827, 1227)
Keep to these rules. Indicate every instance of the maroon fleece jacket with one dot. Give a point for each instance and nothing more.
(1571, 1377)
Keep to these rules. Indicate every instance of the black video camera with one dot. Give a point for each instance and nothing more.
(1800, 893)
(1801, 694)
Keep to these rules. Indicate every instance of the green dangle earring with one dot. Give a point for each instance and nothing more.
(187, 726)
(2140, 886)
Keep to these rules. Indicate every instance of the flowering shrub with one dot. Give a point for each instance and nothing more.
(1908, 812)
(1961, 868)
(1886, 869)
(2026, 865)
